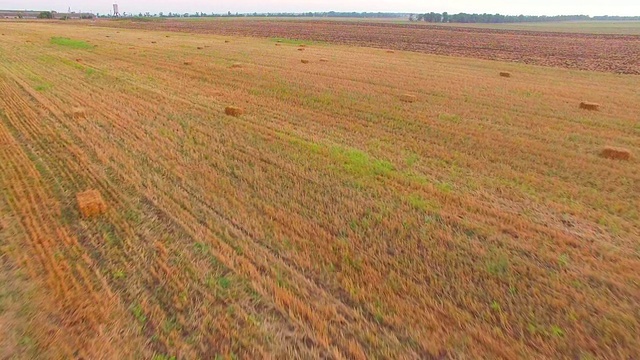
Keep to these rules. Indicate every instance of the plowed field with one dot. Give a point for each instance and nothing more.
(332, 219)
(596, 52)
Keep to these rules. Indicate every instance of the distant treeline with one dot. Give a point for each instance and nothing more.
(498, 18)
(428, 17)
(330, 14)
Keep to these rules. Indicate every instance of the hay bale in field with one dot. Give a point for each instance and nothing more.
(505, 74)
(233, 111)
(390, 51)
(236, 66)
(200, 48)
(79, 113)
(304, 61)
(278, 44)
(302, 45)
(227, 41)
(91, 203)
(589, 106)
(300, 49)
(615, 153)
(154, 42)
(188, 62)
(409, 98)
(78, 60)
(324, 60)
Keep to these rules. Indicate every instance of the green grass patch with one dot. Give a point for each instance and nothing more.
(449, 117)
(43, 87)
(224, 282)
(360, 163)
(72, 64)
(296, 41)
(411, 159)
(70, 43)
(418, 202)
(138, 313)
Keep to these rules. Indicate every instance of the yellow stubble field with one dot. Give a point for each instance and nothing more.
(332, 218)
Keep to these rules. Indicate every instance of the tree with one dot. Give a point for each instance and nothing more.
(445, 17)
(45, 15)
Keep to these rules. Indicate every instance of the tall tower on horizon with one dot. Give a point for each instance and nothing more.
(116, 13)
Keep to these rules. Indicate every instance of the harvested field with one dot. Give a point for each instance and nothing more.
(330, 220)
(596, 52)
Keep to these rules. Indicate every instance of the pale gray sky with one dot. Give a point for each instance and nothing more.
(511, 7)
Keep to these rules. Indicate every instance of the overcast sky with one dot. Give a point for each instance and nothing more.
(512, 7)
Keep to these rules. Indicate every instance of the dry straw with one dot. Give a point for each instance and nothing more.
(589, 106)
(91, 203)
(236, 66)
(615, 153)
(233, 111)
(324, 60)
